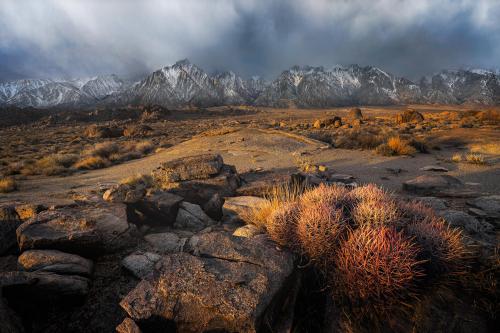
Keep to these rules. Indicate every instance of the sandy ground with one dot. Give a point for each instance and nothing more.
(272, 151)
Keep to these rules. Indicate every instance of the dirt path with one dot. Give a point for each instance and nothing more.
(269, 150)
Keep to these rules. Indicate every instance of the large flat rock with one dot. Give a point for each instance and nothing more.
(228, 283)
(188, 168)
(433, 185)
(87, 230)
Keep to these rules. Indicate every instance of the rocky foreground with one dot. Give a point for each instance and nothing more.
(174, 252)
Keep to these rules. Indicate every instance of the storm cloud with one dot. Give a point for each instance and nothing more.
(73, 38)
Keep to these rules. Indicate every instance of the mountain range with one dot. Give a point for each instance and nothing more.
(186, 84)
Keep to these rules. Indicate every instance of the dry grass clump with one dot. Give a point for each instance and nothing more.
(7, 185)
(55, 164)
(396, 146)
(475, 158)
(374, 250)
(456, 158)
(356, 138)
(376, 265)
(92, 162)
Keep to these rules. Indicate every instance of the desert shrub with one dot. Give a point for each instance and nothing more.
(409, 116)
(7, 185)
(420, 145)
(456, 158)
(475, 158)
(91, 162)
(54, 164)
(144, 147)
(399, 146)
(356, 138)
(488, 115)
(376, 265)
(441, 247)
(103, 149)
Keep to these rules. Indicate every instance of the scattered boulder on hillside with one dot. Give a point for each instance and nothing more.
(198, 178)
(355, 113)
(98, 131)
(409, 116)
(89, 229)
(9, 221)
(138, 130)
(230, 284)
(55, 261)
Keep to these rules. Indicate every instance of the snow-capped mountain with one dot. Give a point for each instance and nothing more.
(462, 86)
(317, 87)
(48, 93)
(185, 84)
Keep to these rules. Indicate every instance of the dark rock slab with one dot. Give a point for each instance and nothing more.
(128, 326)
(188, 168)
(156, 208)
(87, 230)
(432, 185)
(55, 261)
(490, 205)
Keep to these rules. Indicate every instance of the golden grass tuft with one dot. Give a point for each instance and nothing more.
(92, 162)
(457, 158)
(398, 146)
(7, 185)
(281, 224)
(377, 265)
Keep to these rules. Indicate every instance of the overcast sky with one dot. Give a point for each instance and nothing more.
(70, 38)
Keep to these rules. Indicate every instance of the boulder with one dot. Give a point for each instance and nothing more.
(87, 230)
(463, 220)
(9, 221)
(409, 116)
(433, 202)
(128, 326)
(166, 242)
(326, 122)
(432, 184)
(21, 287)
(200, 191)
(156, 208)
(192, 217)
(355, 113)
(490, 205)
(248, 231)
(140, 264)
(27, 211)
(188, 168)
(240, 208)
(213, 207)
(230, 284)
(124, 193)
(54, 261)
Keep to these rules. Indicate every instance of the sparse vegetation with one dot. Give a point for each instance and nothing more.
(396, 146)
(7, 185)
(91, 162)
(138, 179)
(456, 158)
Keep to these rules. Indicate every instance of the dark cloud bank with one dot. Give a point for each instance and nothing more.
(70, 38)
